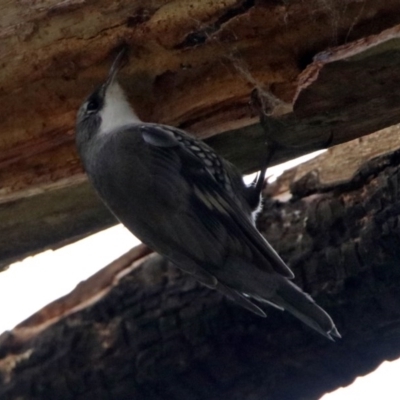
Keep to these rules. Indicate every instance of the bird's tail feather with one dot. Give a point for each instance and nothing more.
(239, 298)
(274, 289)
(301, 305)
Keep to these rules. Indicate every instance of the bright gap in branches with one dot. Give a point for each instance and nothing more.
(29, 285)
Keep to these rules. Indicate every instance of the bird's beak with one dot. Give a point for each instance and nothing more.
(118, 63)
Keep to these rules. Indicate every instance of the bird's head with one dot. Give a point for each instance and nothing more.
(106, 109)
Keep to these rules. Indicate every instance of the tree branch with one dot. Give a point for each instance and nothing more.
(157, 334)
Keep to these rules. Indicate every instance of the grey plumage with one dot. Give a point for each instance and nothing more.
(187, 203)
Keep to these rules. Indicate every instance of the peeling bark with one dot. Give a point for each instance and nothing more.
(324, 67)
(157, 334)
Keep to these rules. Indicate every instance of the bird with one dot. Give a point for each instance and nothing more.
(183, 200)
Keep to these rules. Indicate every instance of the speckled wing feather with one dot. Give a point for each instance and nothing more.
(213, 186)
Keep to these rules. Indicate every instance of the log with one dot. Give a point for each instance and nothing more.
(323, 69)
(152, 332)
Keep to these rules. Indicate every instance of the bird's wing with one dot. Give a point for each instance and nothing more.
(192, 220)
(213, 211)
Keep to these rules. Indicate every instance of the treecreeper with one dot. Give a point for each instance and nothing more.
(184, 201)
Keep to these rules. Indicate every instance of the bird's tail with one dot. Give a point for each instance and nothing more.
(301, 305)
(276, 290)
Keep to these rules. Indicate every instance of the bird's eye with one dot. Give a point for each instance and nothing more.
(92, 106)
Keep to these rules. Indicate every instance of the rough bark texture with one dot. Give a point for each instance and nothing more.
(154, 333)
(324, 69)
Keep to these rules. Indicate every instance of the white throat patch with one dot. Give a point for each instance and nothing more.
(116, 111)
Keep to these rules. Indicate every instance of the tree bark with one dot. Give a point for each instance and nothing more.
(323, 68)
(154, 333)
